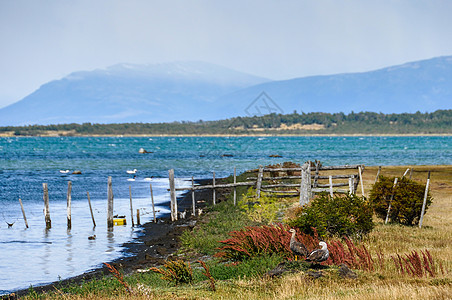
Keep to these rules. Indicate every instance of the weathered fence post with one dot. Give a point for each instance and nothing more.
(91, 209)
(46, 206)
(390, 200)
(361, 180)
(138, 217)
(406, 172)
(23, 212)
(153, 206)
(304, 197)
(235, 188)
(110, 204)
(350, 185)
(213, 189)
(309, 184)
(330, 179)
(425, 200)
(316, 176)
(378, 174)
(193, 202)
(172, 195)
(131, 205)
(69, 200)
(259, 181)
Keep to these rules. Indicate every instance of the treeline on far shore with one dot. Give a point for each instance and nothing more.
(438, 122)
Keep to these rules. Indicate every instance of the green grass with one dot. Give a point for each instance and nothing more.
(213, 227)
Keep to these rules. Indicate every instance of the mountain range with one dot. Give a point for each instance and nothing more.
(190, 91)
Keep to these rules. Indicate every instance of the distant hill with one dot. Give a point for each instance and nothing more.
(129, 93)
(423, 86)
(192, 91)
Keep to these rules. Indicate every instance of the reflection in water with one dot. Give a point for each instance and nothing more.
(45, 257)
(69, 250)
(110, 242)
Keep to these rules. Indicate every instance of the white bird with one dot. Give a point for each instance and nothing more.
(319, 255)
(64, 171)
(131, 171)
(147, 179)
(132, 179)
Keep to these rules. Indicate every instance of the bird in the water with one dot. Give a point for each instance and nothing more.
(319, 255)
(64, 171)
(298, 249)
(92, 237)
(10, 224)
(131, 171)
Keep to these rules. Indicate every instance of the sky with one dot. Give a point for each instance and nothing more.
(45, 40)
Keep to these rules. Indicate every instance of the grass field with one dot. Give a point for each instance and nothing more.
(246, 280)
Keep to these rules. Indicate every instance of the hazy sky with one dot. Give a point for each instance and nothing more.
(43, 40)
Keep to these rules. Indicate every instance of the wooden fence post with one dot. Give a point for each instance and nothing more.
(213, 189)
(350, 185)
(193, 202)
(153, 206)
(425, 200)
(330, 179)
(46, 206)
(138, 217)
(259, 181)
(235, 188)
(91, 209)
(361, 179)
(110, 204)
(309, 184)
(378, 174)
(172, 195)
(23, 212)
(316, 176)
(390, 200)
(69, 200)
(411, 173)
(406, 172)
(131, 205)
(304, 197)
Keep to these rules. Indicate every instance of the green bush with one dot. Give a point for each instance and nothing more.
(176, 271)
(406, 205)
(347, 215)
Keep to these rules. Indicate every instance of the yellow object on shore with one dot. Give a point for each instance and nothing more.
(119, 221)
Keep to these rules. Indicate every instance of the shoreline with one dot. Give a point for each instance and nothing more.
(2, 135)
(152, 247)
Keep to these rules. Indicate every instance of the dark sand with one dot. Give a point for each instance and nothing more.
(157, 242)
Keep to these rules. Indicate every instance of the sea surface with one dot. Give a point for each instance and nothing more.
(35, 256)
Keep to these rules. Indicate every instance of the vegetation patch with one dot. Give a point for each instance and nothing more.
(406, 200)
(341, 215)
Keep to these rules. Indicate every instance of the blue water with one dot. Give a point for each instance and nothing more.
(35, 256)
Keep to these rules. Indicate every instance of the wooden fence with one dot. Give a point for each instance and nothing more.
(303, 181)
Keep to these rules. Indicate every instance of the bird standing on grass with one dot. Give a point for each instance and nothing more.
(319, 255)
(297, 248)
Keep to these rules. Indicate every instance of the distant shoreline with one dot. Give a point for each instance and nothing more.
(233, 135)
